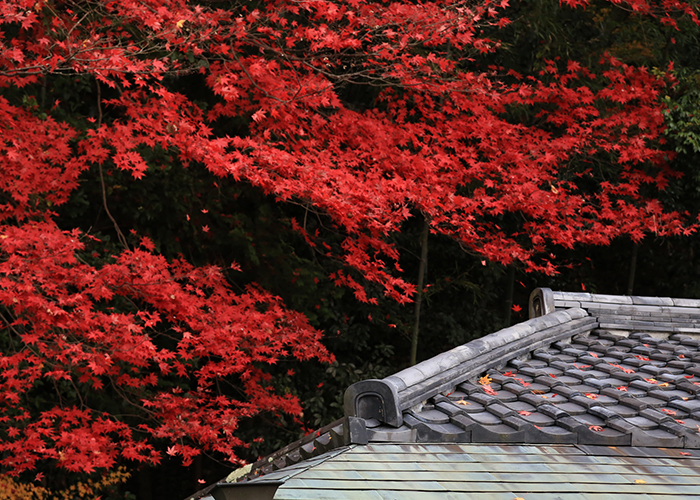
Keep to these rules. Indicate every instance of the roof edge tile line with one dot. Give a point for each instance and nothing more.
(353, 430)
(313, 462)
(386, 399)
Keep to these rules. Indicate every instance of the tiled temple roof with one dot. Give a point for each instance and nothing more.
(585, 371)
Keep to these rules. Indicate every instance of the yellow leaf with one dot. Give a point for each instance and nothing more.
(485, 380)
(463, 402)
(180, 23)
(640, 481)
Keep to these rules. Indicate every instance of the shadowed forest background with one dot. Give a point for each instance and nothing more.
(292, 253)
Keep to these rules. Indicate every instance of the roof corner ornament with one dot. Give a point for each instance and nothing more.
(373, 399)
(541, 302)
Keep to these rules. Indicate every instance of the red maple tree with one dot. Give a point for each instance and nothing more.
(439, 138)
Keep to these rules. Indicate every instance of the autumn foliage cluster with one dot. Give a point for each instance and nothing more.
(184, 351)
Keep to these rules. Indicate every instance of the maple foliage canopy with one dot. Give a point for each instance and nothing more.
(440, 137)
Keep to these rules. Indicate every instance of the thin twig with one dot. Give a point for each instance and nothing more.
(120, 235)
(99, 103)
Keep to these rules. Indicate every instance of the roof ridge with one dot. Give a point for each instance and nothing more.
(623, 312)
(386, 399)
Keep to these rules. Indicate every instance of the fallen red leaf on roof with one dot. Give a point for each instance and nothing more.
(490, 391)
(595, 428)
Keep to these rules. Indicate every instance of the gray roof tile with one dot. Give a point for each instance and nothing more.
(432, 416)
(691, 406)
(572, 408)
(623, 411)
(520, 406)
(485, 418)
(651, 401)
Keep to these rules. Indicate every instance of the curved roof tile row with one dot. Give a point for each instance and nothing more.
(600, 389)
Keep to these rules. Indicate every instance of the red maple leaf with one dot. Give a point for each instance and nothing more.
(489, 390)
